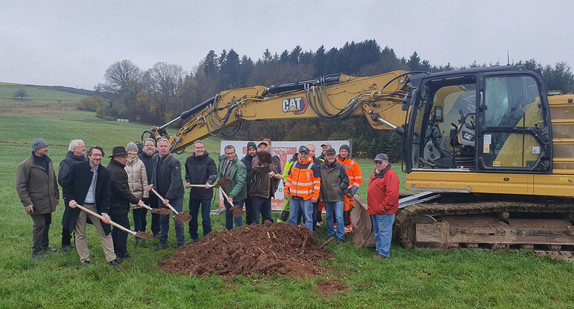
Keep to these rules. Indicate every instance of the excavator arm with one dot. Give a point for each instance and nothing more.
(335, 97)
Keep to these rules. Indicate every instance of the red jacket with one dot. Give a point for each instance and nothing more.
(383, 193)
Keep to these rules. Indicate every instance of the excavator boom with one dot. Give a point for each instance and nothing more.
(334, 97)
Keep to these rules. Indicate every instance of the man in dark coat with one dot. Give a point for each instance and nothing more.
(120, 200)
(251, 152)
(88, 184)
(334, 183)
(166, 178)
(38, 191)
(76, 153)
(200, 169)
(146, 156)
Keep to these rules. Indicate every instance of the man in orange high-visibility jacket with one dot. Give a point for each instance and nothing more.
(355, 181)
(302, 185)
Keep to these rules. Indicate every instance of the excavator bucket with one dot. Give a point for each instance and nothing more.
(362, 235)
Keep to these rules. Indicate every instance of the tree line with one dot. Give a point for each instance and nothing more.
(162, 92)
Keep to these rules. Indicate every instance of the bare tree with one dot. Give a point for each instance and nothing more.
(122, 75)
(165, 79)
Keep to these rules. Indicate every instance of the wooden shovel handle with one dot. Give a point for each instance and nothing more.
(99, 216)
(225, 195)
(162, 199)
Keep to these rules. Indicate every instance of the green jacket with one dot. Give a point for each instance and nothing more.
(238, 175)
(37, 186)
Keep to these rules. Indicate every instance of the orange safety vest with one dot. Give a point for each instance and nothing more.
(303, 180)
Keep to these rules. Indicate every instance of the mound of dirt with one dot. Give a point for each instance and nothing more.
(252, 249)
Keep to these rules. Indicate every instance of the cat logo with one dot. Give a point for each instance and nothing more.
(296, 105)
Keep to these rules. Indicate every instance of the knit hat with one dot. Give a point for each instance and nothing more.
(330, 151)
(130, 146)
(251, 145)
(346, 147)
(38, 144)
(381, 157)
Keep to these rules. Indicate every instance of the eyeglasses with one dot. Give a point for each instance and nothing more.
(378, 162)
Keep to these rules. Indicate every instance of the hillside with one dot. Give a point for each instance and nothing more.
(40, 95)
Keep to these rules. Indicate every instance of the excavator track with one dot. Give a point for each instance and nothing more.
(496, 225)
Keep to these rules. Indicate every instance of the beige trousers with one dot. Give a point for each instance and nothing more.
(80, 234)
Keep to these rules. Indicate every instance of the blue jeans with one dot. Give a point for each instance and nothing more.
(164, 222)
(297, 206)
(229, 218)
(140, 222)
(194, 205)
(261, 206)
(335, 208)
(383, 230)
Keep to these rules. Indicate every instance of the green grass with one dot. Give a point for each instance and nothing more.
(410, 279)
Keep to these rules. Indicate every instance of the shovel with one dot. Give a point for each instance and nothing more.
(179, 216)
(138, 234)
(159, 211)
(221, 182)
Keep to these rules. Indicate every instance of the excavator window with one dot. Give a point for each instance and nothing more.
(512, 115)
(446, 128)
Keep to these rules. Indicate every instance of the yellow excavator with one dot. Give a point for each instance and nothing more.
(487, 146)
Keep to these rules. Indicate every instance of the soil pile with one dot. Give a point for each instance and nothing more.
(252, 249)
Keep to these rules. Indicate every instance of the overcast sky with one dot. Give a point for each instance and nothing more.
(72, 43)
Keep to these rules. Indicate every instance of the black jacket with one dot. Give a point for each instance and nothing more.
(200, 170)
(66, 165)
(148, 163)
(120, 197)
(247, 162)
(166, 176)
(76, 186)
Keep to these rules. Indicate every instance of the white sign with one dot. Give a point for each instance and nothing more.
(285, 151)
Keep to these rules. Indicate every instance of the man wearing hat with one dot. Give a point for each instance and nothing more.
(120, 199)
(246, 160)
(324, 148)
(334, 184)
(302, 185)
(355, 181)
(37, 189)
(383, 201)
(88, 184)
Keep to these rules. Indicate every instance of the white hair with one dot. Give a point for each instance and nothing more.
(75, 143)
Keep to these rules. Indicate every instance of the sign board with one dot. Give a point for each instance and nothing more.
(284, 150)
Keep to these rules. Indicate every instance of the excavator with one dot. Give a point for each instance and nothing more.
(488, 152)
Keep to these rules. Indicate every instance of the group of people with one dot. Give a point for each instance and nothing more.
(96, 194)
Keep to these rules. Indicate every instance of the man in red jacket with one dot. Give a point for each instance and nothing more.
(383, 203)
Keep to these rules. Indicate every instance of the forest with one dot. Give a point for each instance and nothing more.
(156, 95)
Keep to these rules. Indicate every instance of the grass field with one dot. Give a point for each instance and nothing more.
(410, 279)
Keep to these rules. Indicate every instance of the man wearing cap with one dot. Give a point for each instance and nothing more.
(383, 203)
(246, 160)
(302, 185)
(37, 189)
(355, 181)
(334, 185)
(120, 200)
(324, 148)
(76, 153)
(88, 184)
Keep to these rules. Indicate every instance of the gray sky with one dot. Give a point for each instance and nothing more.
(72, 43)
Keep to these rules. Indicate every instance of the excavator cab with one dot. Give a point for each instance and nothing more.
(480, 120)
